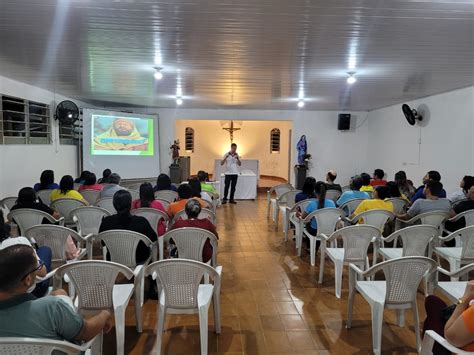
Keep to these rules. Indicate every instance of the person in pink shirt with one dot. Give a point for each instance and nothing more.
(90, 183)
(147, 200)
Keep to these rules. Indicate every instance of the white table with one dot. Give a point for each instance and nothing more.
(246, 188)
(247, 164)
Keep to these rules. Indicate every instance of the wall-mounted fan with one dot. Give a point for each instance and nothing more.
(411, 114)
(67, 112)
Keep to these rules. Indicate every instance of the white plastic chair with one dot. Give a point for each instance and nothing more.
(398, 291)
(122, 246)
(77, 186)
(284, 201)
(94, 282)
(152, 215)
(454, 290)
(433, 218)
(55, 237)
(168, 195)
(346, 188)
(135, 194)
(459, 255)
(278, 190)
(91, 196)
(26, 218)
(326, 219)
(431, 337)
(399, 205)
(183, 293)
(350, 206)
(468, 218)
(205, 213)
(45, 196)
(88, 220)
(291, 216)
(39, 346)
(355, 242)
(64, 206)
(107, 203)
(333, 195)
(8, 202)
(165, 203)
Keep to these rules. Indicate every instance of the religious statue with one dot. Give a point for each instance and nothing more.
(302, 148)
(175, 151)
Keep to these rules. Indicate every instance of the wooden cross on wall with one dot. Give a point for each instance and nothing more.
(231, 131)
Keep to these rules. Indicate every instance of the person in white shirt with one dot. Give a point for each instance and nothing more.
(232, 162)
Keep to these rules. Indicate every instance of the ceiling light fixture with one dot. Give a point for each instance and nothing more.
(300, 103)
(179, 101)
(351, 79)
(158, 73)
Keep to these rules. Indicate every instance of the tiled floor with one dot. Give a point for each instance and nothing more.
(271, 302)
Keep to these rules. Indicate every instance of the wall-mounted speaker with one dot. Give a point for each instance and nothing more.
(344, 122)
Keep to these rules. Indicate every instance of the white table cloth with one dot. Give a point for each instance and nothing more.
(246, 188)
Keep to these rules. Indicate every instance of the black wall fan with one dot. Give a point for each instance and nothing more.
(411, 114)
(67, 112)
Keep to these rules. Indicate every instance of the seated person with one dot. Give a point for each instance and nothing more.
(164, 183)
(307, 191)
(82, 177)
(378, 180)
(193, 208)
(203, 177)
(147, 200)
(51, 317)
(377, 203)
(197, 192)
(105, 177)
(430, 175)
(394, 191)
(66, 190)
(27, 199)
(46, 181)
(90, 183)
(356, 184)
(126, 221)
(112, 186)
(404, 185)
(330, 178)
(322, 202)
(461, 194)
(366, 183)
(460, 207)
(432, 202)
(184, 194)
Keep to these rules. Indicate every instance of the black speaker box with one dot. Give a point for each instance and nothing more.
(344, 122)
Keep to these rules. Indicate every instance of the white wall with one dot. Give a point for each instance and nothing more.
(21, 165)
(444, 140)
(252, 138)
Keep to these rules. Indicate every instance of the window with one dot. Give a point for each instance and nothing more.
(71, 134)
(275, 141)
(24, 122)
(189, 140)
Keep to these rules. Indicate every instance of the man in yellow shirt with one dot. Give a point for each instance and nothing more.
(377, 203)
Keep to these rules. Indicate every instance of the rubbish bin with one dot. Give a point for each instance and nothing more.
(300, 176)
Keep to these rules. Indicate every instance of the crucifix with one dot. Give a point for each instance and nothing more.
(231, 131)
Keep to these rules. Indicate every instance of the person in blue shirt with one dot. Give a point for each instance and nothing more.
(307, 190)
(430, 175)
(356, 184)
(322, 202)
(46, 181)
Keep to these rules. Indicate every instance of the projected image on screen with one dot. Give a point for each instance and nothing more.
(115, 135)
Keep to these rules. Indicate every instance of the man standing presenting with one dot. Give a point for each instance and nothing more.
(231, 161)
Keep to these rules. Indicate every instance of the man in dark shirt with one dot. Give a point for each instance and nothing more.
(126, 221)
(430, 175)
(330, 178)
(460, 207)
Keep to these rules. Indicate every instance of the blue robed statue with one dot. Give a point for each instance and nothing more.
(302, 148)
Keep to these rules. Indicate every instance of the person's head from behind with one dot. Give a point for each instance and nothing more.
(470, 193)
(401, 178)
(163, 181)
(122, 202)
(393, 189)
(26, 196)
(331, 176)
(381, 193)
(195, 187)
(202, 176)
(468, 183)
(320, 191)
(106, 173)
(46, 178)
(83, 175)
(432, 175)
(18, 267)
(433, 188)
(308, 186)
(365, 179)
(66, 184)
(114, 179)
(379, 174)
(184, 192)
(233, 148)
(192, 208)
(147, 195)
(91, 179)
(356, 183)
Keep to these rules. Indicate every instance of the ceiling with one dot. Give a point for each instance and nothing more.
(255, 54)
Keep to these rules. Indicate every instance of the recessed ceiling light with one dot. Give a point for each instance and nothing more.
(179, 101)
(158, 73)
(351, 79)
(301, 104)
